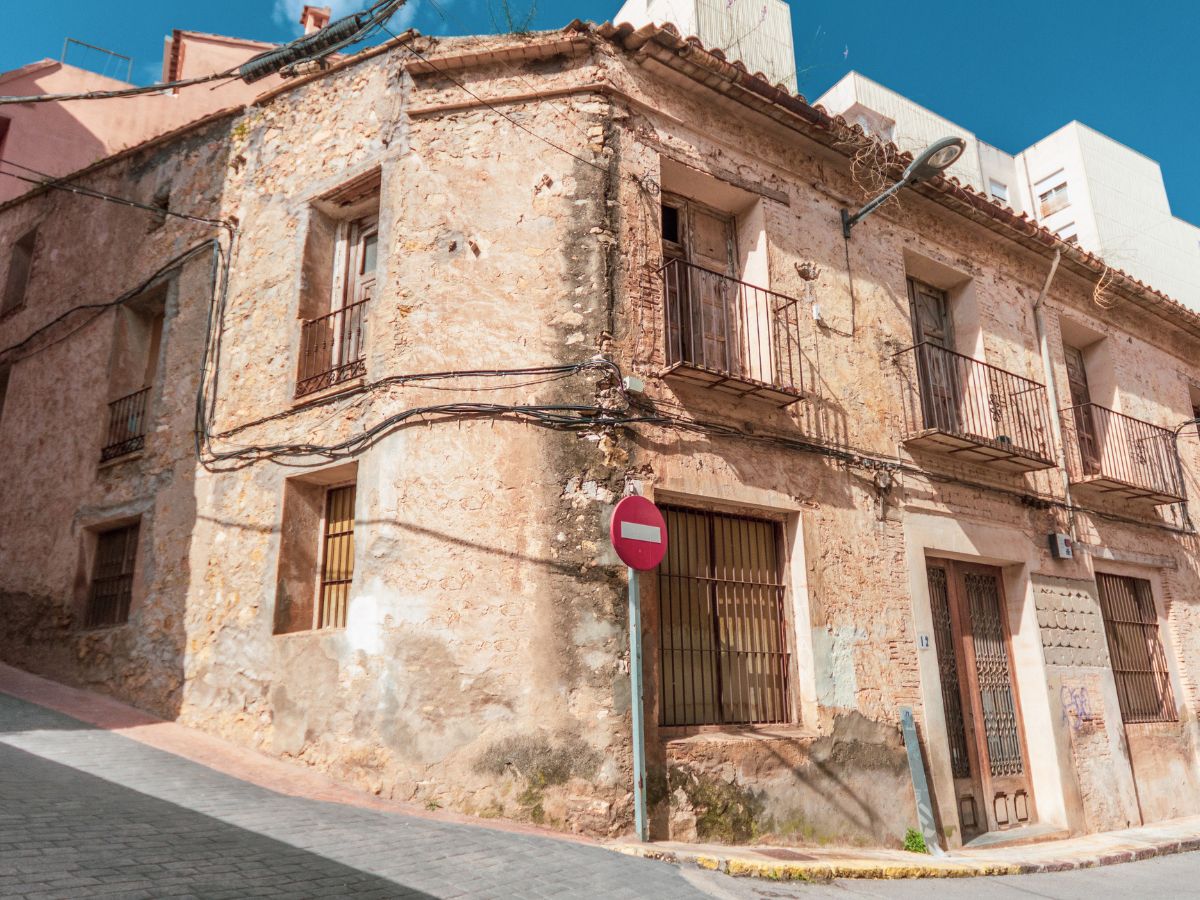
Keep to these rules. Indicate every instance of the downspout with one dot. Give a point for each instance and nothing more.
(1056, 432)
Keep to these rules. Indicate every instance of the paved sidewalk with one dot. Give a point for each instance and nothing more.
(98, 799)
(823, 864)
(86, 812)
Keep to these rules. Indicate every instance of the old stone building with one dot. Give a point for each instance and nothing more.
(322, 459)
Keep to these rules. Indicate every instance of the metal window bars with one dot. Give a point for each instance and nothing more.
(337, 558)
(331, 349)
(731, 335)
(722, 635)
(112, 577)
(1118, 454)
(1139, 662)
(126, 425)
(971, 408)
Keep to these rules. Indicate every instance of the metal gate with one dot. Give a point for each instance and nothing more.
(979, 698)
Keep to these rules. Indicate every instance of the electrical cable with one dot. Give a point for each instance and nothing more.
(61, 184)
(123, 92)
(174, 262)
(358, 25)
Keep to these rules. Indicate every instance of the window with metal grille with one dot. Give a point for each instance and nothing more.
(722, 638)
(112, 577)
(337, 558)
(1139, 662)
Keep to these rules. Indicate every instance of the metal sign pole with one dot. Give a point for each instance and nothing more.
(635, 691)
(916, 767)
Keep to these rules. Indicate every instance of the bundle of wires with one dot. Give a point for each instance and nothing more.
(285, 59)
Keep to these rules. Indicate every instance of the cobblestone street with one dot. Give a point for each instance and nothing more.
(86, 812)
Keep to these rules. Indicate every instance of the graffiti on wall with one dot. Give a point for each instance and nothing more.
(1076, 707)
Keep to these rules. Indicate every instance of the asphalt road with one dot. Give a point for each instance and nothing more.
(88, 813)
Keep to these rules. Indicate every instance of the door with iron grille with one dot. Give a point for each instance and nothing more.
(979, 698)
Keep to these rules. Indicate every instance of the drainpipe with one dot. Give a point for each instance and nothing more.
(1060, 456)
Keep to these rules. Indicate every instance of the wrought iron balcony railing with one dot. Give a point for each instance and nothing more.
(974, 411)
(731, 336)
(331, 349)
(126, 425)
(1114, 454)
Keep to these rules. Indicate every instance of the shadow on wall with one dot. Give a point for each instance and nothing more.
(149, 344)
(45, 136)
(848, 787)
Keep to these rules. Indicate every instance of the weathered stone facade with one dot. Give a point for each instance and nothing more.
(483, 664)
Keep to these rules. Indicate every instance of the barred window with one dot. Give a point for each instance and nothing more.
(1139, 662)
(723, 645)
(316, 550)
(112, 577)
(337, 558)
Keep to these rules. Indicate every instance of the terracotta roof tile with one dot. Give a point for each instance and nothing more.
(830, 130)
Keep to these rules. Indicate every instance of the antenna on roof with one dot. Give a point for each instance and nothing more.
(109, 59)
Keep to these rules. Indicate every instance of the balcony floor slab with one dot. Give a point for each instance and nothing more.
(978, 449)
(736, 385)
(1107, 487)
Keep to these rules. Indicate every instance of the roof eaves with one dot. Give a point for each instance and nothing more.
(148, 144)
(28, 69)
(710, 67)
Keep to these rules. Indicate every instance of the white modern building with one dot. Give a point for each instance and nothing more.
(1079, 183)
(756, 32)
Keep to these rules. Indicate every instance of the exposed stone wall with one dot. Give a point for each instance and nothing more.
(56, 417)
(484, 665)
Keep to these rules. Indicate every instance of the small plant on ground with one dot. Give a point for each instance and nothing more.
(914, 841)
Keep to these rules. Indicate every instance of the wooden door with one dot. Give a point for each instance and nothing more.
(983, 722)
(362, 249)
(714, 302)
(941, 390)
(705, 326)
(1081, 397)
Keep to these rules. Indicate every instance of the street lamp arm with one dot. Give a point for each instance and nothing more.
(849, 221)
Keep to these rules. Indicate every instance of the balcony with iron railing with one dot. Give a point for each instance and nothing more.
(331, 349)
(731, 336)
(126, 425)
(974, 411)
(1114, 455)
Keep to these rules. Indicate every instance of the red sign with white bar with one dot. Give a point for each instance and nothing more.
(639, 533)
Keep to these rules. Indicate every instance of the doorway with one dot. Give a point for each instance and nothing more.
(992, 788)
(704, 313)
(937, 367)
(1081, 403)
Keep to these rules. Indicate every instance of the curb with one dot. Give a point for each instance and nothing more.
(896, 869)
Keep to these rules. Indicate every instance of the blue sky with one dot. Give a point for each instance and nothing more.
(1012, 72)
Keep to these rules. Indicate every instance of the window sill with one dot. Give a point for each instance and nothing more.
(344, 387)
(100, 629)
(721, 734)
(117, 460)
(310, 632)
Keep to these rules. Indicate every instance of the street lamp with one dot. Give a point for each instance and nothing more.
(934, 159)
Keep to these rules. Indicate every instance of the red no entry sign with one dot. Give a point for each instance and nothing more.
(639, 533)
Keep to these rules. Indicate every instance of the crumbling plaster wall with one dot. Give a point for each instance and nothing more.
(56, 492)
(862, 642)
(481, 667)
(484, 666)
